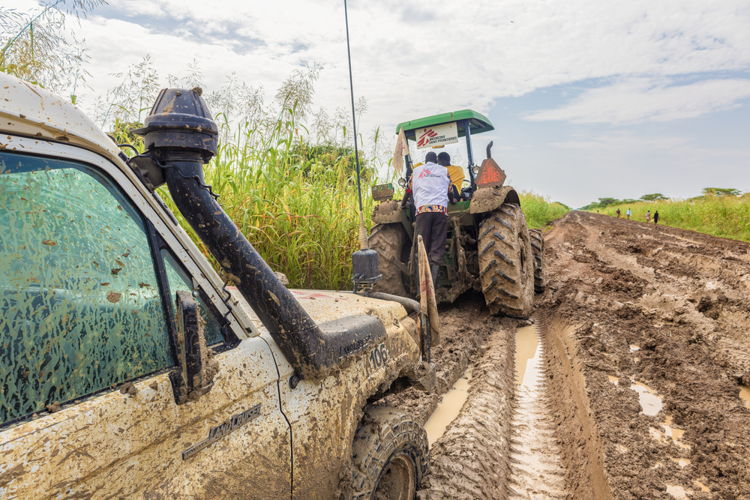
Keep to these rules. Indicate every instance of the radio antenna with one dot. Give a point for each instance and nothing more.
(362, 231)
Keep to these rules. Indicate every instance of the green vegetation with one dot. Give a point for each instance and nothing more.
(540, 212)
(727, 216)
(38, 47)
(297, 205)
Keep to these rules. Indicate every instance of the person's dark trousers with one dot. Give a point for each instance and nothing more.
(433, 227)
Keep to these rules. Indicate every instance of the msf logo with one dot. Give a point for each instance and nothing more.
(424, 139)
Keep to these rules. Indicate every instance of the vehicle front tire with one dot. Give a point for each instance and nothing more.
(389, 456)
(506, 262)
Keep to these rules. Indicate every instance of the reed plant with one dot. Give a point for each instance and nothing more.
(296, 202)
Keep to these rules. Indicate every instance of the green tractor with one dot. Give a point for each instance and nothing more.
(489, 247)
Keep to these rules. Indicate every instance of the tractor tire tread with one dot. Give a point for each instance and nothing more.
(537, 245)
(507, 275)
(388, 240)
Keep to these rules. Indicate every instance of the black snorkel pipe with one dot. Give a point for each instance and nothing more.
(180, 136)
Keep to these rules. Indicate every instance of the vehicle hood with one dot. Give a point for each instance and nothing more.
(328, 305)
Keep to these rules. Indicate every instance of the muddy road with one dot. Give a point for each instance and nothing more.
(632, 382)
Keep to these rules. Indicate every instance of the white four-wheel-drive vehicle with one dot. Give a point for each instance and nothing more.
(128, 367)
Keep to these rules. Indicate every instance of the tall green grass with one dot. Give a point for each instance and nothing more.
(539, 211)
(295, 202)
(724, 216)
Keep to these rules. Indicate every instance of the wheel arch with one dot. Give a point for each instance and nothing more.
(487, 199)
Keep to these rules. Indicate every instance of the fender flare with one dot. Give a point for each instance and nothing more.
(487, 199)
(388, 212)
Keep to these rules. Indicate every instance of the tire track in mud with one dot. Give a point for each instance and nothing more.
(537, 469)
(506, 441)
(471, 460)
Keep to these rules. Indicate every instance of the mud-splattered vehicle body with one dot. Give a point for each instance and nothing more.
(489, 247)
(129, 368)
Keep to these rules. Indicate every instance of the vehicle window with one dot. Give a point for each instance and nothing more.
(179, 280)
(80, 308)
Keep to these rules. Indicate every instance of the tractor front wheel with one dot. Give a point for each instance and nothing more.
(506, 262)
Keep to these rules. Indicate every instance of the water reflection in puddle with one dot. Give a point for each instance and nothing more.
(745, 395)
(682, 462)
(651, 402)
(676, 491)
(527, 343)
(448, 409)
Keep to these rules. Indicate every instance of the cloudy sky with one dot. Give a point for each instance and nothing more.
(589, 98)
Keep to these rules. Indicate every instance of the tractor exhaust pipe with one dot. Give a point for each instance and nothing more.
(180, 136)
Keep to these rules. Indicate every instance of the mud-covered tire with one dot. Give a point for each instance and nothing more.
(537, 246)
(389, 456)
(388, 240)
(506, 262)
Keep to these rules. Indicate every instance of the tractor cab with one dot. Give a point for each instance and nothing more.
(450, 132)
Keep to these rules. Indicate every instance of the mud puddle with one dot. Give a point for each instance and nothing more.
(448, 408)
(536, 461)
(745, 396)
(651, 402)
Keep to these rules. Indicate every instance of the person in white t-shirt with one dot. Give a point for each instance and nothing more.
(430, 184)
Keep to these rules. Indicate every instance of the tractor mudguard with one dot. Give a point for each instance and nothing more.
(388, 212)
(487, 199)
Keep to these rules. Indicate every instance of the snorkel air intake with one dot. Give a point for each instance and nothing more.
(180, 136)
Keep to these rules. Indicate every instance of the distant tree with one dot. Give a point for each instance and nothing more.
(605, 202)
(653, 197)
(714, 191)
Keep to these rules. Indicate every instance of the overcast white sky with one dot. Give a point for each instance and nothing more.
(589, 98)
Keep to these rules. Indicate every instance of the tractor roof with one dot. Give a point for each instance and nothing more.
(479, 122)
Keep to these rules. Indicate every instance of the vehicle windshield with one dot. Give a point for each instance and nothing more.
(457, 152)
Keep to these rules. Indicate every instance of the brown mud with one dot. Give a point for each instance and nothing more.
(644, 367)
(465, 328)
(656, 319)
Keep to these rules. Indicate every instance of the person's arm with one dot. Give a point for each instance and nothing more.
(408, 194)
(453, 194)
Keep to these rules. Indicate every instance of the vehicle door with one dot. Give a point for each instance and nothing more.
(88, 276)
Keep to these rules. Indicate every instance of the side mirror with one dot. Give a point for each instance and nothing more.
(195, 370)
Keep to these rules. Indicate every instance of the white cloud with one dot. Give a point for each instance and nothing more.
(644, 100)
(409, 62)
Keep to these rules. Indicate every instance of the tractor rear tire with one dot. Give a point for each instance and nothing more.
(389, 456)
(537, 246)
(506, 262)
(389, 240)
